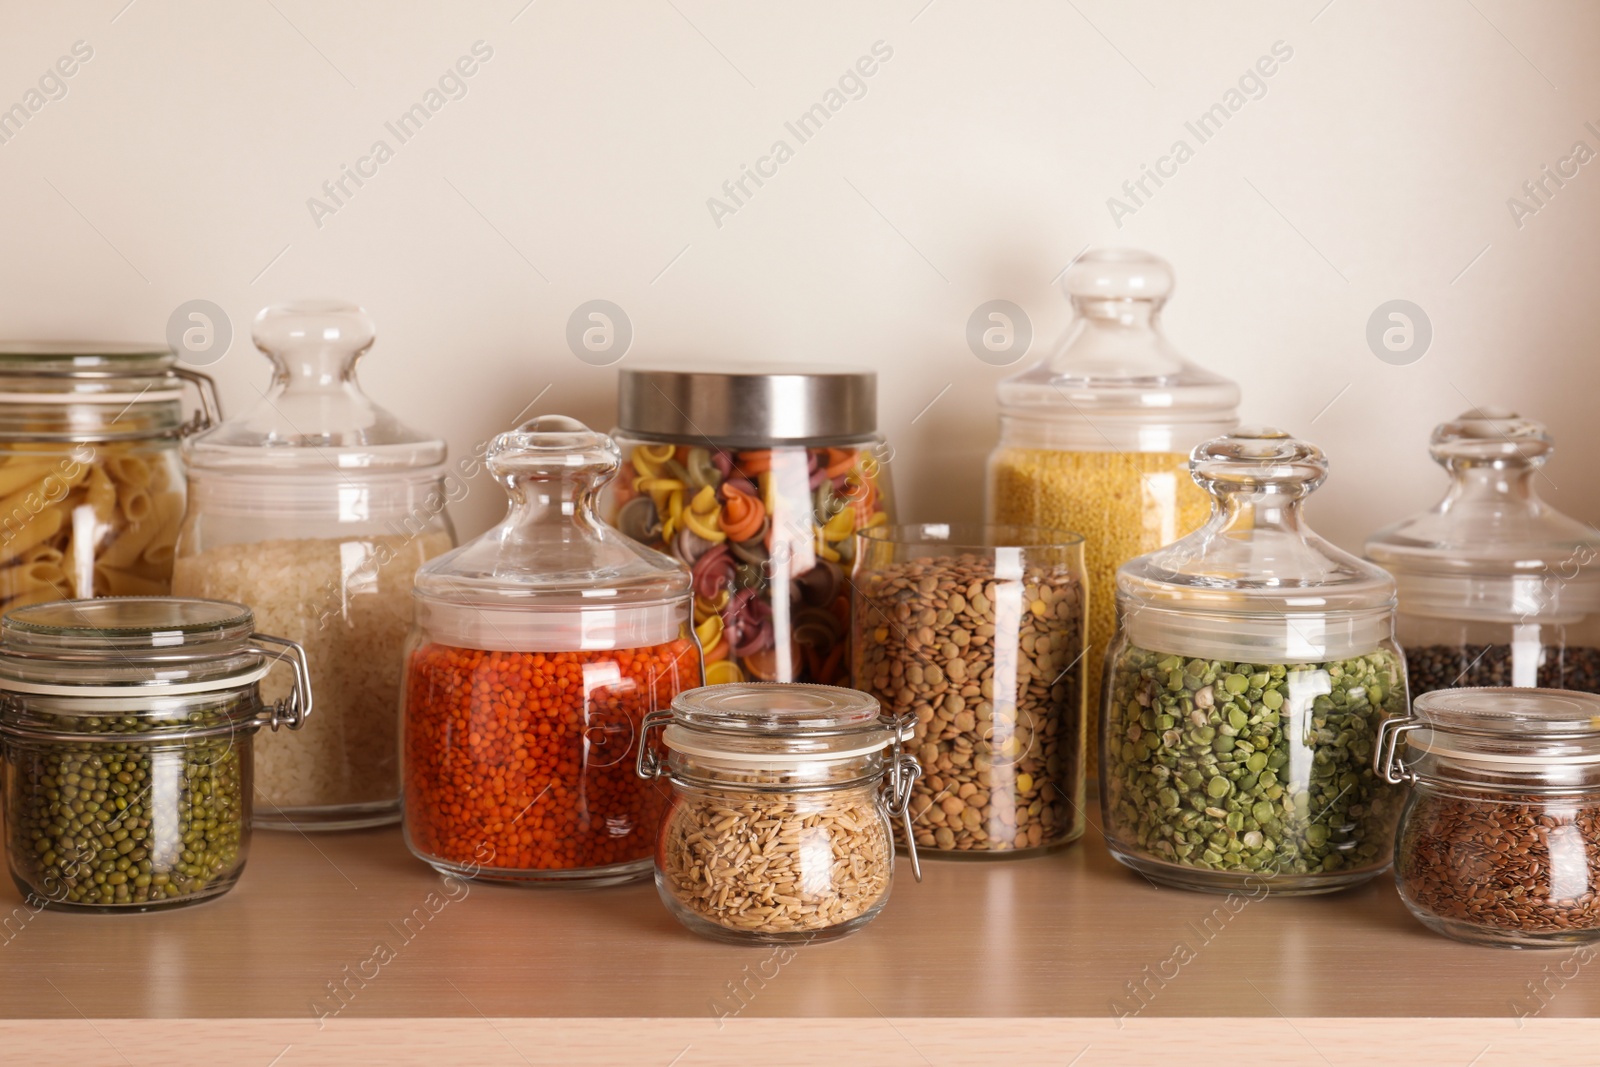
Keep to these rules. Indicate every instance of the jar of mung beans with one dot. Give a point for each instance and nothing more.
(128, 726)
(1095, 438)
(783, 798)
(1253, 665)
(1497, 588)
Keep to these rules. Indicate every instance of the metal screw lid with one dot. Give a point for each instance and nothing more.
(749, 407)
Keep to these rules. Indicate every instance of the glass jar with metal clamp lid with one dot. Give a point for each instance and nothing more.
(1499, 842)
(128, 725)
(91, 483)
(783, 796)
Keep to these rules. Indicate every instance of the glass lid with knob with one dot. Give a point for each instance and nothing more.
(1114, 376)
(314, 418)
(1255, 583)
(552, 575)
(1492, 549)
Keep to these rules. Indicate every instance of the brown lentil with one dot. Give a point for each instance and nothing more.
(1123, 503)
(1513, 862)
(1001, 771)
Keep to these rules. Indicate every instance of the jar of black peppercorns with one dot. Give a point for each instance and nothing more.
(1497, 588)
(1499, 842)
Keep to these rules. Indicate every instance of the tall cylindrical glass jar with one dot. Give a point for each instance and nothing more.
(1497, 588)
(976, 633)
(1253, 665)
(315, 508)
(538, 650)
(91, 484)
(1096, 437)
(757, 480)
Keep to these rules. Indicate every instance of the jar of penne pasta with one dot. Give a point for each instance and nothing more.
(91, 482)
(315, 508)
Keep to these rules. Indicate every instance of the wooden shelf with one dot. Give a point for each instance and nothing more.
(494, 974)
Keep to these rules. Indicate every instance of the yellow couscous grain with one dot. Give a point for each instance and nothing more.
(1123, 503)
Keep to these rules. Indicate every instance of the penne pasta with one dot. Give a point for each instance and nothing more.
(36, 531)
(110, 581)
(95, 520)
(135, 505)
(129, 470)
(102, 495)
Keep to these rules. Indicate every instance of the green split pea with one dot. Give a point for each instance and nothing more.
(1251, 767)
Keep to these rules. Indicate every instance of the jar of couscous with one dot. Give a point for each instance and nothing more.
(1096, 437)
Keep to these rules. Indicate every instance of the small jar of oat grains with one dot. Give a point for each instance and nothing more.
(1499, 842)
(1096, 437)
(976, 632)
(783, 795)
(315, 508)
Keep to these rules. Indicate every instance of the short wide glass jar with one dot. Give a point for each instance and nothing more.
(128, 727)
(757, 480)
(1252, 667)
(782, 802)
(1499, 842)
(977, 633)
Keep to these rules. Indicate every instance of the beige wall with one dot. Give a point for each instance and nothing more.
(1377, 165)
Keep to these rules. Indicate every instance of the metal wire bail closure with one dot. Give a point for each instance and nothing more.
(293, 709)
(647, 761)
(1387, 761)
(903, 771)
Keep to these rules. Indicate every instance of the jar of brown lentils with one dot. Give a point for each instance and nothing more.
(1499, 842)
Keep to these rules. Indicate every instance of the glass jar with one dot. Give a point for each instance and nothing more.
(91, 485)
(128, 725)
(316, 507)
(1096, 437)
(757, 480)
(1499, 842)
(1253, 665)
(538, 650)
(1496, 587)
(976, 632)
(783, 798)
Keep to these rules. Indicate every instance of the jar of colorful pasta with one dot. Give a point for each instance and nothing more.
(128, 726)
(538, 650)
(1096, 437)
(316, 507)
(757, 480)
(1253, 667)
(91, 484)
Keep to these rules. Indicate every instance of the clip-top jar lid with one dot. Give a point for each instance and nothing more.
(147, 646)
(754, 406)
(1507, 727)
(757, 722)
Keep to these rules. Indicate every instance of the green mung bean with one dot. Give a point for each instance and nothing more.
(1244, 767)
(100, 822)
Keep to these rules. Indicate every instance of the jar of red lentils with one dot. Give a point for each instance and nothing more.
(538, 649)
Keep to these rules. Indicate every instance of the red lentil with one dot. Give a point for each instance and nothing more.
(527, 758)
